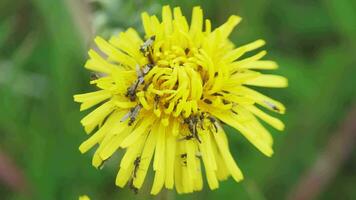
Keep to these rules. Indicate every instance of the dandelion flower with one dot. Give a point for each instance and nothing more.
(84, 197)
(163, 100)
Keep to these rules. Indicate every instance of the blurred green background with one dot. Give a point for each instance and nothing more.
(43, 47)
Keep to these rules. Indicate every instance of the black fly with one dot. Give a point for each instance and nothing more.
(192, 122)
(271, 105)
(145, 47)
(136, 165)
(131, 91)
(214, 121)
(132, 187)
(134, 174)
(132, 114)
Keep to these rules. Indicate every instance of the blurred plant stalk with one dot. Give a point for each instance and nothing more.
(329, 162)
(11, 175)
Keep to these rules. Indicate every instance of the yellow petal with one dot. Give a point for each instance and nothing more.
(84, 197)
(146, 21)
(262, 100)
(123, 176)
(146, 156)
(225, 153)
(95, 117)
(228, 26)
(167, 19)
(98, 64)
(258, 64)
(141, 128)
(114, 53)
(250, 136)
(275, 122)
(92, 98)
(267, 80)
(170, 159)
(99, 135)
(240, 51)
(158, 182)
(197, 20)
(209, 168)
(108, 150)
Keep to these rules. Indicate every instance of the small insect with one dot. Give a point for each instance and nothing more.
(145, 47)
(201, 119)
(186, 51)
(271, 105)
(140, 75)
(188, 137)
(132, 114)
(134, 174)
(146, 86)
(208, 101)
(131, 91)
(136, 165)
(183, 156)
(192, 122)
(214, 121)
(156, 101)
(225, 102)
(147, 68)
(138, 72)
(94, 76)
(217, 94)
(132, 187)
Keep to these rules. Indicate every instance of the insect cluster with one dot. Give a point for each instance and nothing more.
(194, 122)
(146, 50)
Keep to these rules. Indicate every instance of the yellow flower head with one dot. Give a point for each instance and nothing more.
(163, 100)
(84, 197)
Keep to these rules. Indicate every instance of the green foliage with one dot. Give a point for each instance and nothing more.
(43, 48)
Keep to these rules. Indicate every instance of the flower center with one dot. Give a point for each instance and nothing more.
(170, 83)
